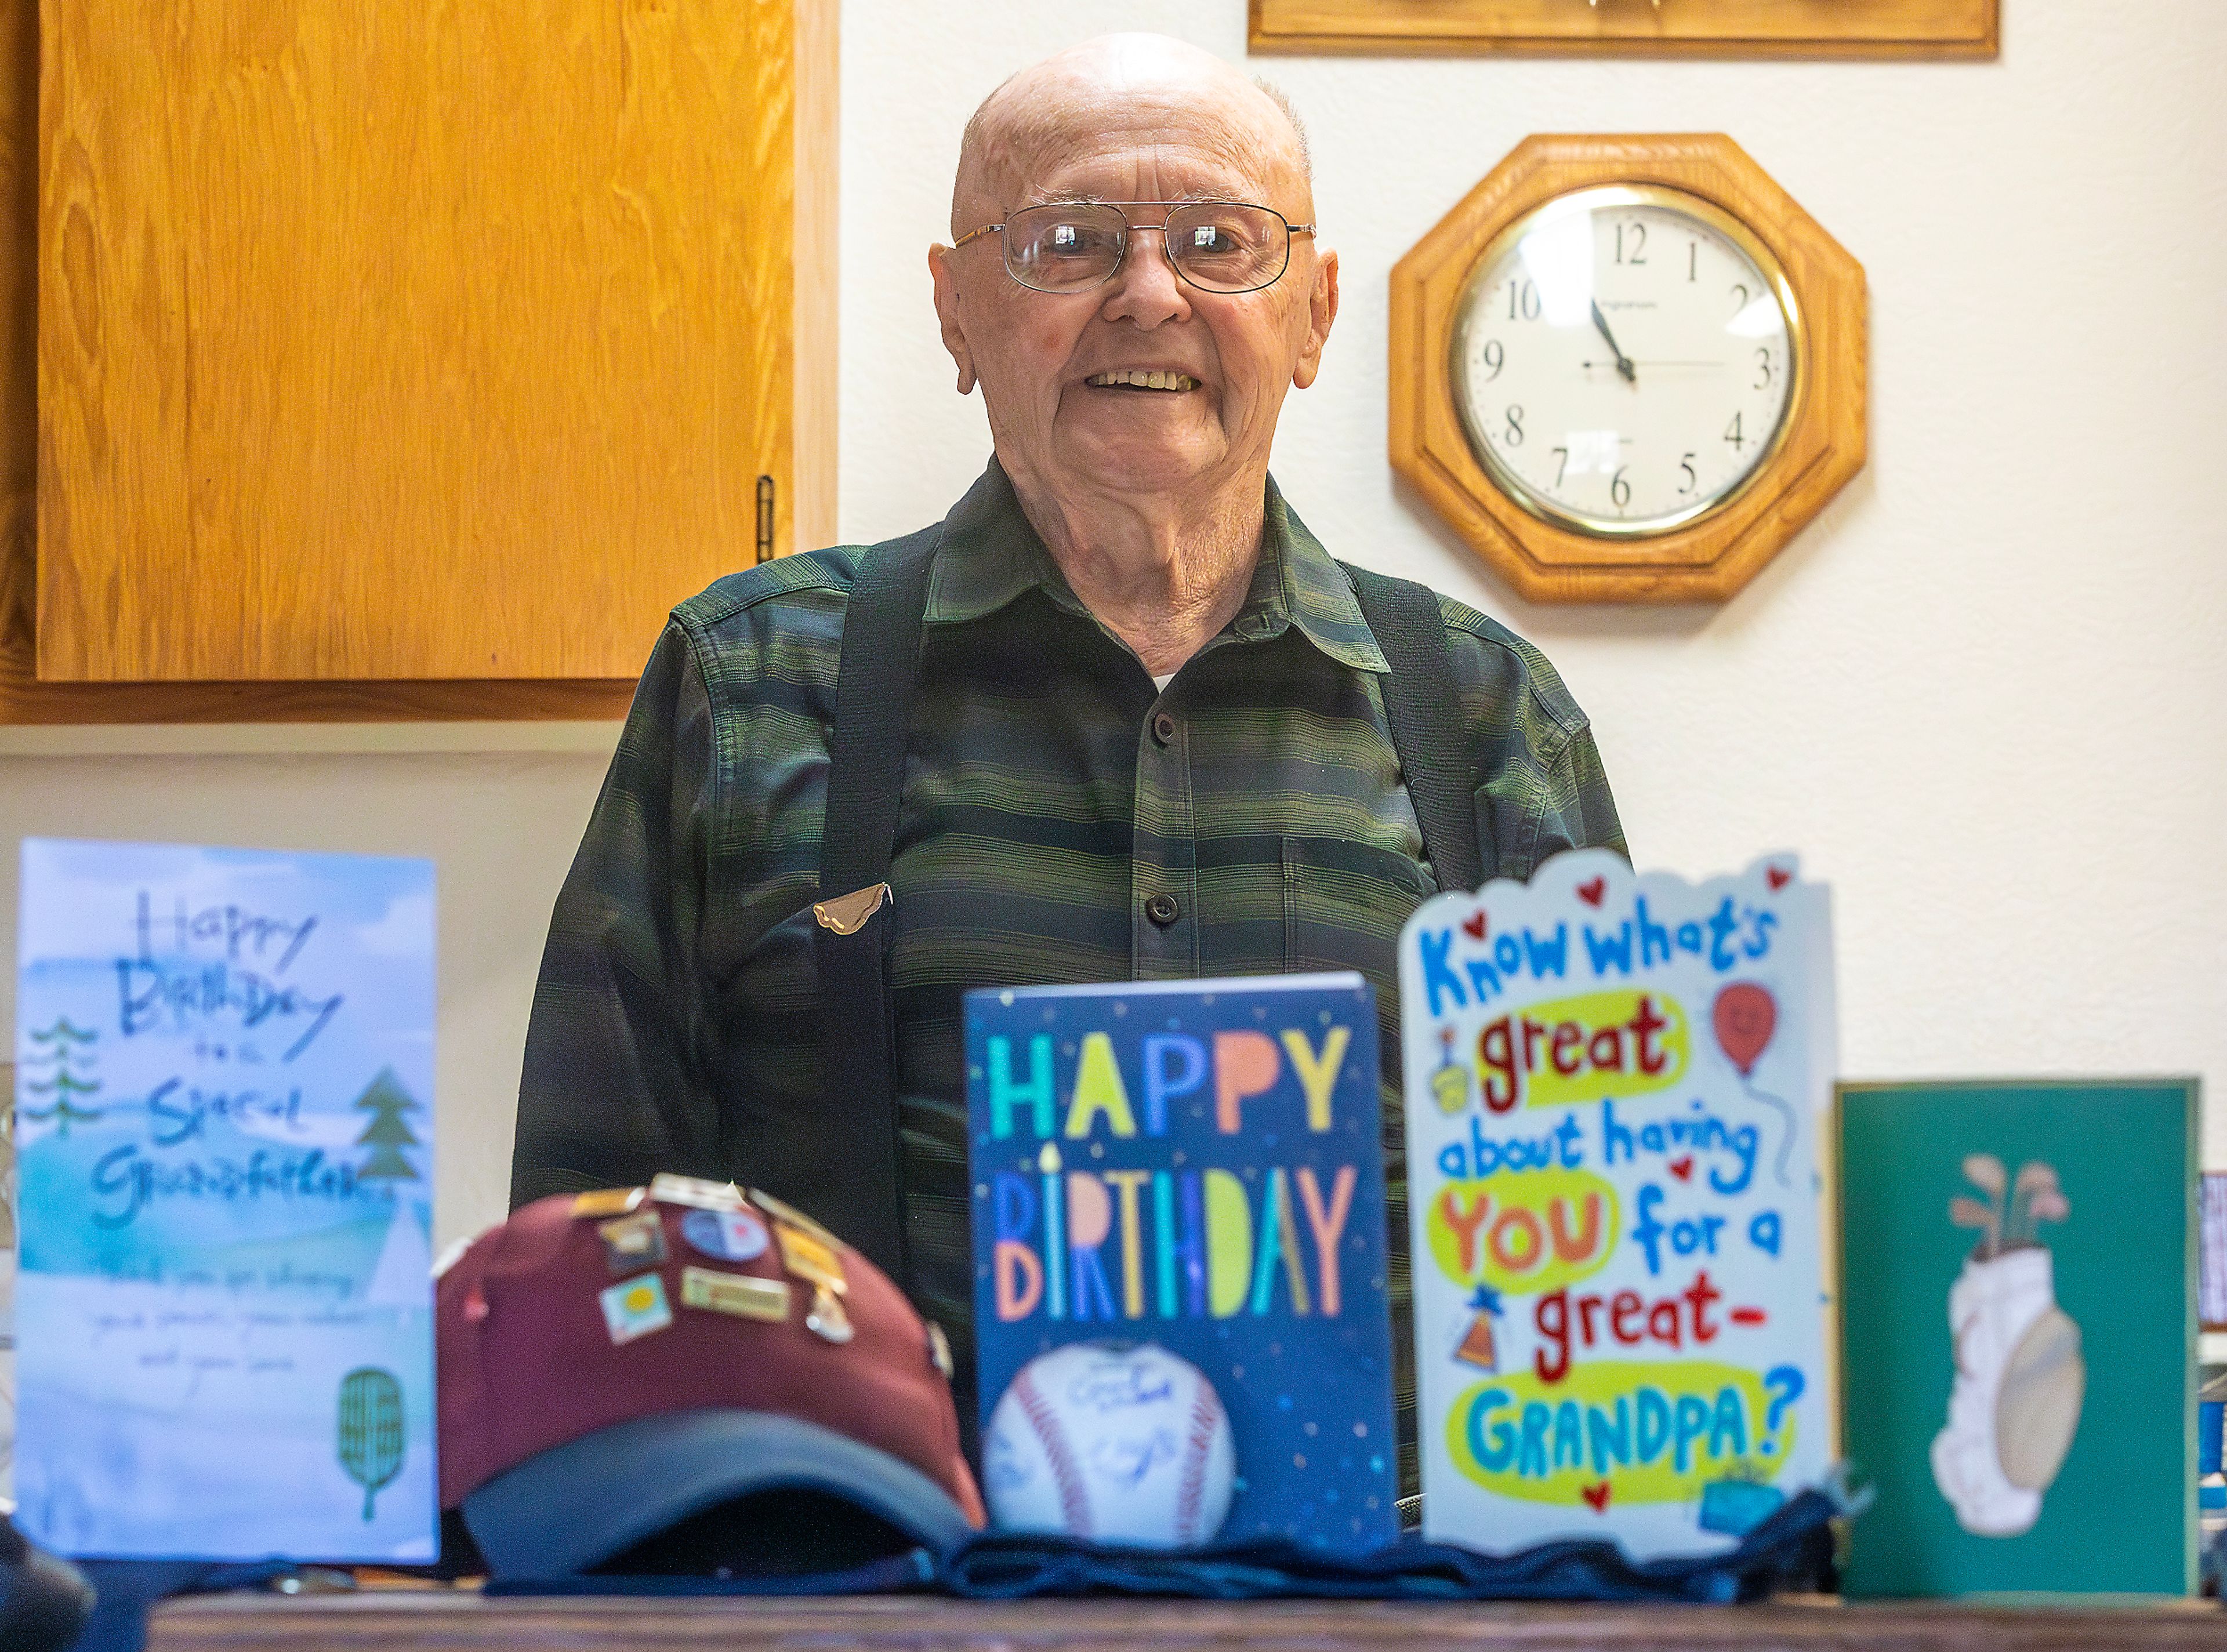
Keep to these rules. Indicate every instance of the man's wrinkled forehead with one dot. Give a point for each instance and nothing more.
(1063, 139)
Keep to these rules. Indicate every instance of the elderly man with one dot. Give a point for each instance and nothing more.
(1118, 717)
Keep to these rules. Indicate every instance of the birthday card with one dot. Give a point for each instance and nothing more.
(1194, 1168)
(224, 1087)
(1615, 1089)
(2020, 1322)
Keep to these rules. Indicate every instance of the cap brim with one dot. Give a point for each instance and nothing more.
(577, 1505)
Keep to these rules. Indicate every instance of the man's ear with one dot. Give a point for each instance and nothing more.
(1321, 310)
(946, 316)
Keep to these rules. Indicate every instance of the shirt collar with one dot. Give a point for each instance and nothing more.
(989, 555)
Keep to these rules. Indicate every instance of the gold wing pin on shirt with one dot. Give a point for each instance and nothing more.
(847, 914)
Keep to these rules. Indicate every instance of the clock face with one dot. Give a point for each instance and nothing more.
(1625, 358)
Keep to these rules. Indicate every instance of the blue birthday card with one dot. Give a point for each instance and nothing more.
(1196, 1164)
(224, 1089)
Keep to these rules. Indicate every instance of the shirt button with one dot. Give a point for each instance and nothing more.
(1164, 728)
(1161, 910)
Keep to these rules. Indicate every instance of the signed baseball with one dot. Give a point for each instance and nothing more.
(1117, 1442)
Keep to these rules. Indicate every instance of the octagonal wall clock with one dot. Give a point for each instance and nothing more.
(1627, 368)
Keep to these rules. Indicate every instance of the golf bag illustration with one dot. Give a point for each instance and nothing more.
(2020, 1378)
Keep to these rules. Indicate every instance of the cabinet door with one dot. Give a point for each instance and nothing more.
(385, 340)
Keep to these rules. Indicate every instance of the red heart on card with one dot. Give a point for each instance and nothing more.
(1597, 1496)
(1475, 926)
(1591, 893)
(1682, 1168)
(1777, 878)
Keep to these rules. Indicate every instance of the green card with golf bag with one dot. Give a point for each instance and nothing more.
(2018, 1335)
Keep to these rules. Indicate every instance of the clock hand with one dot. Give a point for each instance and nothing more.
(1622, 362)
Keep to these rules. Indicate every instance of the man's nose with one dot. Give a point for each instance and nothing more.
(1147, 289)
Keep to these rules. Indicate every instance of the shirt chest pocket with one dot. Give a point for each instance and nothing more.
(1343, 906)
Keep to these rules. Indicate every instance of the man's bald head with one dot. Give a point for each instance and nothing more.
(1116, 88)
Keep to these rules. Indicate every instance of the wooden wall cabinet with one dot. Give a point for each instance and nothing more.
(402, 361)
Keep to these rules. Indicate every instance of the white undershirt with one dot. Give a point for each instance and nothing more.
(1161, 683)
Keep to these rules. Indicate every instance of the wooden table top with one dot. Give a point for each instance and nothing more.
(460, 1620)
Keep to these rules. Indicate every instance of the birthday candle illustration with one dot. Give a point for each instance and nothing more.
(1055, 1234)
(1451, 1082)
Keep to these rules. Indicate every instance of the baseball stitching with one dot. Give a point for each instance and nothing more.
(1074, 1502)
(1205, 1412)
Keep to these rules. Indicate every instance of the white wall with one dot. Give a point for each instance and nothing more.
(1982, 692)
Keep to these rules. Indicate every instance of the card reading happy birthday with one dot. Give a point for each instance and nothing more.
(1616, 1086)
(1195, 1165)
(224, 1079)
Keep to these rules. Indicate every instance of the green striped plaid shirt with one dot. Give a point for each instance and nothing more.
(1051, 794)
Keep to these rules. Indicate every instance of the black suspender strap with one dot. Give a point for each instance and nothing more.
(859, 1193)
(1428, 729)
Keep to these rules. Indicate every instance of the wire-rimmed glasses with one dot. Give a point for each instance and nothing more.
(1215, 245)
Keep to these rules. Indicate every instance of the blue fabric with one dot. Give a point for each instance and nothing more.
(1789, 1550)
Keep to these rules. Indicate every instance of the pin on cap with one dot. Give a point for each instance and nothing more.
(695, 1190)
(939, 1351)
(729, 1235)
(808, 1259)
(608, 1201)
(743, 1295)
(635, 1308)
(790, 1214)
(632, 1243)
(826, 1319)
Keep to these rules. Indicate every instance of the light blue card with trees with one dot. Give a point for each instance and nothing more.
(224, 1087)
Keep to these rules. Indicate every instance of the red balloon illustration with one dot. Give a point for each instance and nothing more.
(1745, 1016)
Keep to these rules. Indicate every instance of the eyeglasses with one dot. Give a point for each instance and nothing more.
(1215, 245)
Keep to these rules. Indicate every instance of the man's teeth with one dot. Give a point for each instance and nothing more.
(1144, 381)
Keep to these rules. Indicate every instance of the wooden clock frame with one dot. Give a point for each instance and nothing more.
(1822, 442)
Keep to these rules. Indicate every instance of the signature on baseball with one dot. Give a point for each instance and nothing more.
(1121, 1387)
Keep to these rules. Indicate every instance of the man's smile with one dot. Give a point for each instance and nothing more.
(1141, 378)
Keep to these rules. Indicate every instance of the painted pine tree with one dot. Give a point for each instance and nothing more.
(70, 1054)
(388, 1132)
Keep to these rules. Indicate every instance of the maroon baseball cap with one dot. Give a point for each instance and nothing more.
(619, 1367)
